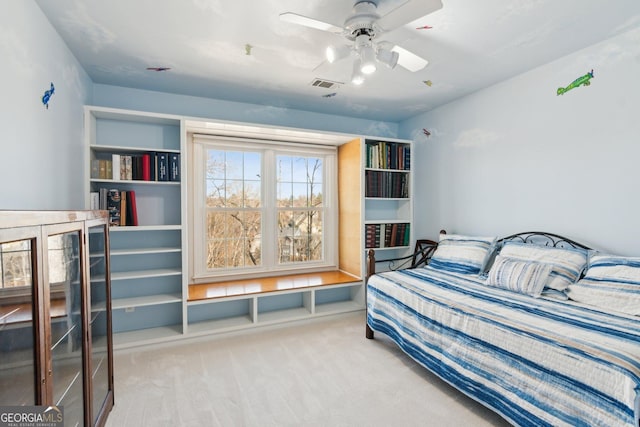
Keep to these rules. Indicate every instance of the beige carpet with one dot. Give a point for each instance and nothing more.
(319, 373)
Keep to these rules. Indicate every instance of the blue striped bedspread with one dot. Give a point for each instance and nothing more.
(534, 361)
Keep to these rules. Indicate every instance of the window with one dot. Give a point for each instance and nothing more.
(259, 207)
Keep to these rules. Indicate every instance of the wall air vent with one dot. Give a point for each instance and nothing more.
(325, 84)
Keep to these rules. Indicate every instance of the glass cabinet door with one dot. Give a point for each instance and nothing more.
(17, 325)
(65, 321)
(98, 321)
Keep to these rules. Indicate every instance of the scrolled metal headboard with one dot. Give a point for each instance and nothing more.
(543, 238)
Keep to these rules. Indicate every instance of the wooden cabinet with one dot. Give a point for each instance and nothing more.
(55, 313)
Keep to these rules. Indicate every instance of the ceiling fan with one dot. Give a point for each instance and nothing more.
(363, 27)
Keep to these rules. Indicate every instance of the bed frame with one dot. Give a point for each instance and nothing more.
(425, 248)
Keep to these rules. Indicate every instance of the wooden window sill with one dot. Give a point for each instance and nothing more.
(204, 291)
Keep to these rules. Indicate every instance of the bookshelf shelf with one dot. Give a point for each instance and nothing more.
(140, 274)
(124, 303)
(119, 148)
(133, 182)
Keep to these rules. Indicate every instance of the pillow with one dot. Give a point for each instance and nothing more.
(567, 263)
(611, 282)
(524, 277)
(462, 254)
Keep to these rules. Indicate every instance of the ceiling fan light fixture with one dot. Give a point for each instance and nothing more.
(357, 78)
(336, 53)
(387, 57)
(368, 58)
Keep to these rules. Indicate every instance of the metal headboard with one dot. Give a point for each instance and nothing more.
(543, 238)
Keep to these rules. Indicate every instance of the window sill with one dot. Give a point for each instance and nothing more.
(230, 288)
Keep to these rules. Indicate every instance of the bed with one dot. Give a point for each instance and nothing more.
(550, 353)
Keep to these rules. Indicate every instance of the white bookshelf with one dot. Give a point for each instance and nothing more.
(147, 277)
(388, 197)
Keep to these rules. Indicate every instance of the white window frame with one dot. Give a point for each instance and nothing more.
(269, 246)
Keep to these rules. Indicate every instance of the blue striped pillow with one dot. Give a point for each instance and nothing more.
(524, 277)
(611, 282)
(462, 254)
(567, 263)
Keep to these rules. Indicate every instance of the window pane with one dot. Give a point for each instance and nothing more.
(234, 239)
(304, 175)
(252, 194)
(300, 198)
(285, 194)
(252, 166)
(234, 193)
(215, 164)
(216, 193)
(234, 165)
(300, 236)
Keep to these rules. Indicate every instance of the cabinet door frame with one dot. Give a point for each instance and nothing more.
(101, 417)
(34, 234)
(52, 230)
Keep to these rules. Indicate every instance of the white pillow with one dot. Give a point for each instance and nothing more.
(462, 254)
(567, 263)
(611, 282)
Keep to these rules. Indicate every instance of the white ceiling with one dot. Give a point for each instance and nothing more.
(473, 44)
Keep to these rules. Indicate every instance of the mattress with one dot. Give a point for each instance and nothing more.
(534, 361)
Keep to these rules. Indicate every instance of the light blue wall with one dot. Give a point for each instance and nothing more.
(159, 102)
(42, 149)
(517, 157)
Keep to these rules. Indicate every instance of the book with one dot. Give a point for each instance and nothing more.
(103, 199)
(126, 171)
(123, 208)
(115, 167)
(95, 169)
(174, 167)
(153, 166)
(102, 169)
(132, 214)
(146, 167)
(163, 166)
(113, 206)
(108, 174)
(94, 200)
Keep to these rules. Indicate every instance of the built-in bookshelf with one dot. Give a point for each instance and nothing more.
(149, 257)
(133, 167)
(388, 198)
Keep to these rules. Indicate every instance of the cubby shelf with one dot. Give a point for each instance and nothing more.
(244, 311)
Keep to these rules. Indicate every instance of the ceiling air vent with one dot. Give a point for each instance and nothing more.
(325, 84)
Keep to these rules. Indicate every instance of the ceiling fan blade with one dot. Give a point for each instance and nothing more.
(408, 12)
(409, 60)
(294, 18)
